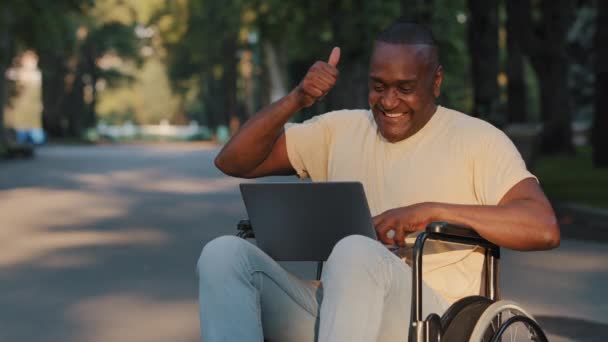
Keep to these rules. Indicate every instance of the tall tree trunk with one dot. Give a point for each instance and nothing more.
(90, 118)
(351, 88)
(516, 88)
(74, 107)
(6, 56)
(229, 79)
(54, 71)
(599, 130)
(90, 68)
(2, 101)
(546, 47)
(276, 71)
(483, 47)
(213, 100)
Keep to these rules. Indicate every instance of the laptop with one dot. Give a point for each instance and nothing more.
(303, 221)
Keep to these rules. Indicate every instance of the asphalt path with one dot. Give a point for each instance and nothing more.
(99, 243)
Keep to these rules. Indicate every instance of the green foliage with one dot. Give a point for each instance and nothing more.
(453, 53)
(581, 80)
(580, 183)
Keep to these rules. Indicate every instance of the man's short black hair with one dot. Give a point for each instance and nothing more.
(407, 32)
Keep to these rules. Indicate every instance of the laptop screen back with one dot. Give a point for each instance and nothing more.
(303, 221)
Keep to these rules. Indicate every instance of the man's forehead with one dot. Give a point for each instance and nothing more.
(403, 56)
(419, 50)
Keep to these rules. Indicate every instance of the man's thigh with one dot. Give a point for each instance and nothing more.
(397, 310)
(290, 306)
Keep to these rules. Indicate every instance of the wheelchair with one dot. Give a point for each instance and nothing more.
(474, 318)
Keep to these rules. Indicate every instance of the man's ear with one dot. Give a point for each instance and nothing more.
(438, 79)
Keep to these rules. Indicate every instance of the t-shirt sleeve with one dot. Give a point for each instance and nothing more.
(498, 166)
(308, 147)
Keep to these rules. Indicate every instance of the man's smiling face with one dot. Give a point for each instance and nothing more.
(404, 81)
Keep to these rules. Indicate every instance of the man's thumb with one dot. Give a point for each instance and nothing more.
(334, 57)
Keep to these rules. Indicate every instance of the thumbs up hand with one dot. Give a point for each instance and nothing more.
(319, 79)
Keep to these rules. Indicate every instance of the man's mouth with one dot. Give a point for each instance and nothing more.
(393, 115)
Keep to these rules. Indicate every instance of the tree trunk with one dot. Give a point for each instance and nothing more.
(599, 130)
(276, 72)
(516, 88)
(229, 79)
(6, 56)
(483, 47)
(546, 47)
(75, 108)
(2, 101)
(351, 88)
(213, 100)
(54, 71)
(90, 68)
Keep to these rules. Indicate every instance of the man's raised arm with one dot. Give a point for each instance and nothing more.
(258, 148)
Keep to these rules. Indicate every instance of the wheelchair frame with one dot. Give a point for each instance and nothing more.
(431, 329)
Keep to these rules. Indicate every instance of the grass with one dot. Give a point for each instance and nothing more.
(573, 179)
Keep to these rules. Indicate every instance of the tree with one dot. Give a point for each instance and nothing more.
(351, 33)
(69, 42)
(52, 34)
(100, 39)
(483, 47)
(6, 57)
(599, 138)
(211, 65)
(516, 87)
(545, 45)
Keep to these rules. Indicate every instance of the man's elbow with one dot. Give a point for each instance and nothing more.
(552, 235)
(229, 169)
(221, 165)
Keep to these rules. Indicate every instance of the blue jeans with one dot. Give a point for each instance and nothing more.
(364, 295)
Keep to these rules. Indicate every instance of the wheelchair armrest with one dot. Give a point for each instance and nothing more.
(449, 232)
(451, 229)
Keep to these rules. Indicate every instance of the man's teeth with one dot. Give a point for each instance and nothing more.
(393, 115)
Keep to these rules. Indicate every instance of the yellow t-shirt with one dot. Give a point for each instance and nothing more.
(454, 159)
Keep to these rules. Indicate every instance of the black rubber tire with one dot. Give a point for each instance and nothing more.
(459, 320)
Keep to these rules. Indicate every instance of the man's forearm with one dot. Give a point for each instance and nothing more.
(254, 141)
(521, 224)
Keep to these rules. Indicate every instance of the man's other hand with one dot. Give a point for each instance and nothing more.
(402, 221)
(319, 79)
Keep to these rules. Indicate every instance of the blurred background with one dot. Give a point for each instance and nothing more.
(111, 112)
(119, 70)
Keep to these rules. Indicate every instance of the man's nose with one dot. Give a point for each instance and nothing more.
(389, 100)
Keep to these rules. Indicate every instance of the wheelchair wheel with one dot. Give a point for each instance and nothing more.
(458, 322)
(505, 320)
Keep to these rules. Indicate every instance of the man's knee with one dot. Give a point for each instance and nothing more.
(219, 253)
(355, 251)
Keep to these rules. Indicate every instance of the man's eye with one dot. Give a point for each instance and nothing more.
(378, 87)
(406, 90)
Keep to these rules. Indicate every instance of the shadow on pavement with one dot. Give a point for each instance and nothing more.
(574, 328)
(100, 244)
